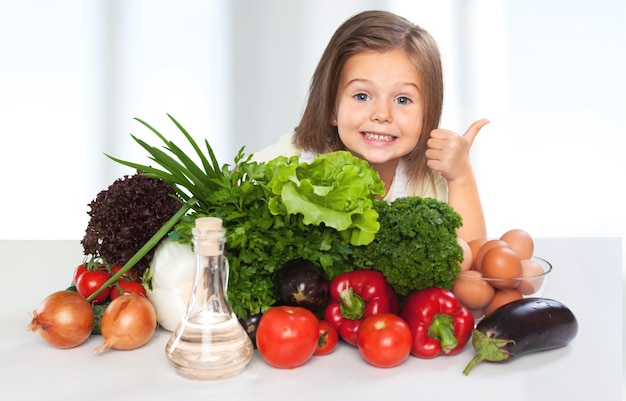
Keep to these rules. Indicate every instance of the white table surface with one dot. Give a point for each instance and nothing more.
(587, 277)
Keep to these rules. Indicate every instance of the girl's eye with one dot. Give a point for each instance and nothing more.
(361, 97)
(403, 100)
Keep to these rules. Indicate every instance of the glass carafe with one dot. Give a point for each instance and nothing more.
(209, 342)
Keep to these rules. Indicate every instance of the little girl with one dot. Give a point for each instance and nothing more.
(378, 92)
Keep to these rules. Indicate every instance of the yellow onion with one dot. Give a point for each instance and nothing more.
(127, 323)
(64, 319)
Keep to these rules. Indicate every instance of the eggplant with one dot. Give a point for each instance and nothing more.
(299, 282)
(250, 325)
(520, 327)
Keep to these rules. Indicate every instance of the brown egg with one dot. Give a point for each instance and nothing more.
(502, 297)
(475, 246)
(520, 242)
(503, 264)
(468, 258)
(478, 256)
(471, 291)
(532, 271)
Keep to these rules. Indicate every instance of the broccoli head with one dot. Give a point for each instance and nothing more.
(125, 216)
(416, 246)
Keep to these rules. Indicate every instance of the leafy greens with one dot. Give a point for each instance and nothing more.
(416, 246)
(272, 212)
(336, 189)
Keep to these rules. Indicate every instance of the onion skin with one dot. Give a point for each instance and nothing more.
(64, 319)
(127, 323)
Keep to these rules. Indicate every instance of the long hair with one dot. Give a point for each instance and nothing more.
(379, 31)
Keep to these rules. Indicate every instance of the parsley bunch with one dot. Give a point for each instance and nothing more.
(416, 246)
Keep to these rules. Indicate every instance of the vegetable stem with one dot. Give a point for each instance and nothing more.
(442, 330)
(352, 305)
(475, 361)
(151, 243)
(487, 349)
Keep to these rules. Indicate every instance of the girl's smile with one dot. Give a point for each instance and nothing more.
(373, 136)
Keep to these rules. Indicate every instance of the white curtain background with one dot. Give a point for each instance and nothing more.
(549, 74)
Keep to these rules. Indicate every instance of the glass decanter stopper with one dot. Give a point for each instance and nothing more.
(209, 342)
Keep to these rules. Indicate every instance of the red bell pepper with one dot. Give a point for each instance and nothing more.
(355, 295)
(439, 323)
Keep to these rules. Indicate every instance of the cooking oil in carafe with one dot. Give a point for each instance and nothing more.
(209, 343)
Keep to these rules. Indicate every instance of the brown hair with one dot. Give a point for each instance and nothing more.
(372, 31)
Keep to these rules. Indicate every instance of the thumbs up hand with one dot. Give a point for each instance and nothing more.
(448, 152)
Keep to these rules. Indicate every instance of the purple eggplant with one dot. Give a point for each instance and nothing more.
(301, 283)
(520, 327)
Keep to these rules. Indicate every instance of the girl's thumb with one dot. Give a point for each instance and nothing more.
(472, 131)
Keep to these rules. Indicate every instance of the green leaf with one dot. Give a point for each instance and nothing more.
(335, 190)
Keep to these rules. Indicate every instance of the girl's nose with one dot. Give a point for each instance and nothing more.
(381, 113)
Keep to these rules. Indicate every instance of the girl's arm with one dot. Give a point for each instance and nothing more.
(448, 154)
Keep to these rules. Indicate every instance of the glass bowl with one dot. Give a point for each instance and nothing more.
(482, 295)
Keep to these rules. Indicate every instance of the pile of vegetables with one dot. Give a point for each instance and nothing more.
(92, 280)
(273, 212)
(363, 311)
(122, 218)
(314, 258)
(325, 212)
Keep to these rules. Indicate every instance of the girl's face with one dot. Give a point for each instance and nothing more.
(379, 107)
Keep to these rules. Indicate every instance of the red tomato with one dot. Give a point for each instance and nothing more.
(127, 287)
(85, 267)
(90, 281)
(327, 339)
(130, 275)
(78, 272)
(384, 340)
(286, 336)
